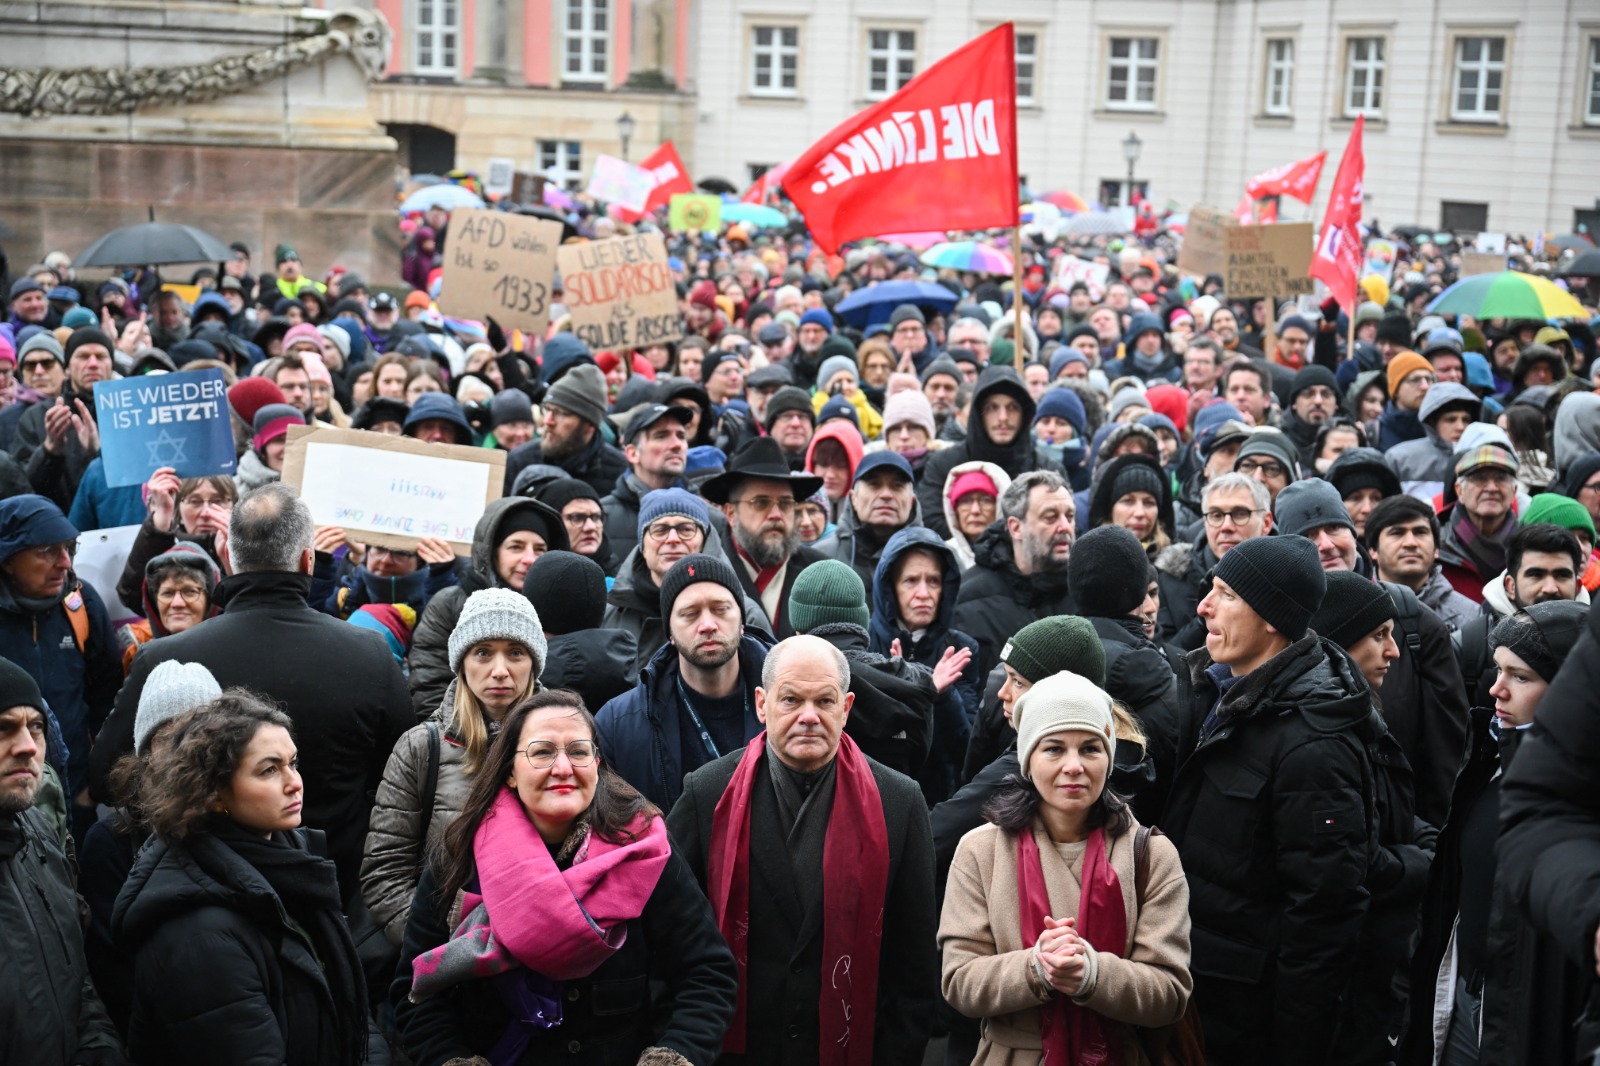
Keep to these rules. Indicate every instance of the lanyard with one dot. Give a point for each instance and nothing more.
(705, 734)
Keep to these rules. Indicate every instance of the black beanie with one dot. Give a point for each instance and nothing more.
(1353, 607)
(526, 519)
(89, 335)
(564, 490)
(1138, 477)
(692, 569)
(568, 590)
(1314, 374)
(1280, 579)
(19, 689)
(789, 398)
(1543, 634)
(1107, 571)
(1395, 327)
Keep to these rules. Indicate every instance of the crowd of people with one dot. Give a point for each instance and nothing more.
(1158, 676)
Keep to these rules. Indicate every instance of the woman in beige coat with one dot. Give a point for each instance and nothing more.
(1043, 935)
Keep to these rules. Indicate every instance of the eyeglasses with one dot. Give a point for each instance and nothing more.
(1418, 378)
(579, 519)
(682, 530)
(1267, 467)
(49, 552)
(168, 593)
(1593, 486)
(196, 502)
(1238, 516)
(393, 553)
(542, 754)
(975, 502)
(765, 504)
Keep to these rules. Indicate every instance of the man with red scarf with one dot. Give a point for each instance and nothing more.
(819, 865)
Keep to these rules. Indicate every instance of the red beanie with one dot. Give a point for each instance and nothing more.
(250, 395)
(972, 481)
(1172, 401)
(606, 361)
(705, 294)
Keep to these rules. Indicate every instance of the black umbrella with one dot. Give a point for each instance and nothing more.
(1572, 241)
(1586, 265)
(720, 186)
(153, 243)
(568, 230)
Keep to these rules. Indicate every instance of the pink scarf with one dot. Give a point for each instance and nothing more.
(561, 924)
(1074, 1035)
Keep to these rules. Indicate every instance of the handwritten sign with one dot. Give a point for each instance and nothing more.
(618, 182)
(1205, 241)
(392, 491)
(1071, 270)
(499, 266)
(1269, 260)
(620, 291)
(178, 420)
(690, 211)
(1482, 263)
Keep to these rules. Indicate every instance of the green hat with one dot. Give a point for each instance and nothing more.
(1002, 352)
(827, 591)
(283, 252)
(1558, 510)
(1051, 645)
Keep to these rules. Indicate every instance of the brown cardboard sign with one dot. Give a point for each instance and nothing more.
(1205, 241)
(499, 265)
(1482, 263)
(392, 491)
(620, 291)
(1269, 260)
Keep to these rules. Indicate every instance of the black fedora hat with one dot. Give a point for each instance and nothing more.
(759, 458)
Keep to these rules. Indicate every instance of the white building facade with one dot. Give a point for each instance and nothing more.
(1480, 114)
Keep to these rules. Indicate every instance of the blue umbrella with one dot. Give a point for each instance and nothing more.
(875, 303)
(758, 215)
(449, 197)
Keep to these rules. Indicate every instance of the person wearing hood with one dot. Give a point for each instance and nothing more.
(1446, 411)
(1488, 985)
(419, 258)
(998, 432)
(178, 593)
(513, 532)
(582, 510)
(834, 454)
(437, 418)
(1132, 491)
(1409, 378)
(1269, 811)
(1576, 438)
(655, 443)
(263, 463)
(882, 501)
(195, 510)
(1363, 478)
(1061, 431)
(572, 437)
(1147, 357)
(1539, 364)
(971, 504)
(914, 593)
(569, 592)
(1313, 400)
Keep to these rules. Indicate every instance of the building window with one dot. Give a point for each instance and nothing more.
(891, 61)
(1479, 77)
(1280, 77)
(437, 37)
(1131, 73)
(1027, 67)
(1591, 85)
(586, 39)
(1458, 217)
(774, 60)
(1363, 79)
(562, 163)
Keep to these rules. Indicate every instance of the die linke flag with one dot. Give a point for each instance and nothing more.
(1298, 180)
(1339, 257)
(939, 154)
(670, 177)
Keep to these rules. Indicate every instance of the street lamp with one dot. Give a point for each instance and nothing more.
(1130, 152)
(625, 127)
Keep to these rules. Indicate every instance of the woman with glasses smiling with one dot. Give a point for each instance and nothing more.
(559, 923)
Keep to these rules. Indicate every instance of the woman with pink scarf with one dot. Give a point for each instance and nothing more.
(556, 904)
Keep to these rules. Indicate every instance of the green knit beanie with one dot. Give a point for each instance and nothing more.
(1002, 353)
(827, 591)
(1049, 646)
(1558, 510)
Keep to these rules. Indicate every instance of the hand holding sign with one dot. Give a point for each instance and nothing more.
(172, 420)
(499, 266)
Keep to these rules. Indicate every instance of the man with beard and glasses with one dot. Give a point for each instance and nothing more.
(574, 409)
(695, 700)
(759, 494)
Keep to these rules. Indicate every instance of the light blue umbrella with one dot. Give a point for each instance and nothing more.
(449, 197)
(758, 215)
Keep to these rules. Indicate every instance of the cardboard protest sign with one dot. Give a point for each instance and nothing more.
(178, 420)
(620, 291)
(695, 211)
(1070, 270)
(618, 182)
(392, 491)
(1269, 260)
(500, 266)
(1205, 241)
(1482, 263)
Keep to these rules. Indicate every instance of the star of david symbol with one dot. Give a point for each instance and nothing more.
(167, 450)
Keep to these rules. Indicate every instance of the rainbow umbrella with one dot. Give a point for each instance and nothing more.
(1507, 294)
(1067, 201)
(970, 256)
(919, 240)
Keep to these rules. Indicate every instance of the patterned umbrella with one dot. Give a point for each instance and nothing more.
(1507, 294)
(971, 256)
(1067, 201)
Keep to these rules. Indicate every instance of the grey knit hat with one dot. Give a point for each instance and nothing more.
(581, 390)
(498, 614)
(1059, 703)
(173, 688)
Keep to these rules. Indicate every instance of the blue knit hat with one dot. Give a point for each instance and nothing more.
(1063, 403)
(673, 503)
(818, 316)
(1063, 356)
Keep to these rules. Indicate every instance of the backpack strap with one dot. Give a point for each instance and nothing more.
(430, 784)
(78, 617)
(1407, 614)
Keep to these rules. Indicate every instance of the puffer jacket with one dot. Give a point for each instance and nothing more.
(997, 599)
(1139, 674)
(958, 541)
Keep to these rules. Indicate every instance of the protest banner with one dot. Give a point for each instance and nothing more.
(695, 211)
(178, 420)
(1381, 255)
(392, 491)
(620, 292)
(1205, 241)
(500, 266)
(1339, 255)
(1482, 263)
(619, 182)
(1268, 260)
(1070, 269)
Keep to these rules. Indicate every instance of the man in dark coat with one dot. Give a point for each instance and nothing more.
(572, 437)
(656, 444)
(999, 431)
(1020, 574)
(337, 682)
(1270, 811)
(1313, 399)
(801, 796)
(569, 593)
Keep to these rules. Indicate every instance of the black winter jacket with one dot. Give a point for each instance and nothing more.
(1181, 571)
(891, 719)
(598, 463)
(597, 664)
(1138, 674)
(1425, 707)
(997, 599)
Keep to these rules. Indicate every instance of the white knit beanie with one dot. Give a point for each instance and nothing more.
(173, 688)
(498, 614)
(1058, 703)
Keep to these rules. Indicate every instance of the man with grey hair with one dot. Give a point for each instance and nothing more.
(1019, 573)
(338, 683)
(818, 862)
(971, 334)
(1234, 507)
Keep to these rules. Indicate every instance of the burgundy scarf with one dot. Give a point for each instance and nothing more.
(1074, 1035)
(855, 876)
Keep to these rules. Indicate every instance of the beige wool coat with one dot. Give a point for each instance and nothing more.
(986, 963)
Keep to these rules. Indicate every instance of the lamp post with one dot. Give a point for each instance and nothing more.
(1130, 151)
(625, 127)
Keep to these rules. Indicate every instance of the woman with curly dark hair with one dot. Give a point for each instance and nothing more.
(232, 916)
(556, 912)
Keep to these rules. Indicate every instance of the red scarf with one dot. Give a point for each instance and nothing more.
(764, 574)
(1074, 1035)
(855, 876)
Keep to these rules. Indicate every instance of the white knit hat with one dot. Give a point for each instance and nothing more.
(1058, 703)
(498, 614)
(173, 688)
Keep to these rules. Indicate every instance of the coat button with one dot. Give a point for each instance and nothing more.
(796, 967)
(573, 1046)
(794, 1030)
(572, 995)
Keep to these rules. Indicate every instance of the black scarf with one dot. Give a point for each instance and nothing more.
(805, 801)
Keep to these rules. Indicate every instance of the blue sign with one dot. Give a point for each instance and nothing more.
(178, 420)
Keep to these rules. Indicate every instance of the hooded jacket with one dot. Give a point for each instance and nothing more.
(1016, 458)
(1577, 430)
(192, 558)
(849, 438)
(1140, 676)
(1101, 501)
(997, 599)
(1428, 457)
(958, 540)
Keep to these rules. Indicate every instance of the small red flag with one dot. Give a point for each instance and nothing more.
(939, 154)
(764, 186)
(1298, 179)
(1338, 257)
(671, 178)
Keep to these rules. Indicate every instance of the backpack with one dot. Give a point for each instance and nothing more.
(1407, 615)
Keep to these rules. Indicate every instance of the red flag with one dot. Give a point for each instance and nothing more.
(1252, 212)
(1338, 258)
(765, 185)
(671, 177)
(1298, 179)
(939, 154)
